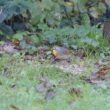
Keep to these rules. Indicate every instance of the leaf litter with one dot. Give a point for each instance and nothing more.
(47, 87)
(44, 84)
(100, 78)
(7, 47)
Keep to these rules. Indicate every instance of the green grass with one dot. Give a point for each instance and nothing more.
(18, 81)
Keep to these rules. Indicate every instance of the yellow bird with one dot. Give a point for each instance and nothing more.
(61, 53)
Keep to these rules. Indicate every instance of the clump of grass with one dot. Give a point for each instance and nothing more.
(18, 89)
(3, 61)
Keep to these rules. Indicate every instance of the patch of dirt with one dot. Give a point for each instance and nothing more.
(71, 68)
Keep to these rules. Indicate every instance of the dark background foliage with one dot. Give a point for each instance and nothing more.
(71, 23)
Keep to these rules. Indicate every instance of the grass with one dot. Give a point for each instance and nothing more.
(18, 81)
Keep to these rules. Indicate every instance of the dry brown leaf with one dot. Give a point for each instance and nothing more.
(41, 87)
(44, 84)
(14, 107)
(50, 94)
(102, 73)
(76, 91)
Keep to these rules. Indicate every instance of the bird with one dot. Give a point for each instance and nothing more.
(61, 53)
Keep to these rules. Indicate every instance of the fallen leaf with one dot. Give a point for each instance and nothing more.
(40, 87)
(102, 73)
(44, 84)
(28, 57)
(16, 42)
(76, 91)
(47, 82)
(14, 107)
(50, 94)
